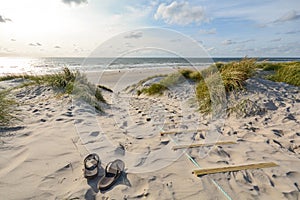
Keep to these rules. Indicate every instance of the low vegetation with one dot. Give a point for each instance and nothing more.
(65, 82)
(154, 89)
(287, 73)
(84, 90)
(233, 76)
(268, 66)
(212, 83)
(7, 106)
(191, 75)
(164, 84)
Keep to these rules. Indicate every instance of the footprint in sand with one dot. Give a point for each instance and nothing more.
(94, 133)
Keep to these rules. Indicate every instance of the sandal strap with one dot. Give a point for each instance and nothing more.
(94, 157)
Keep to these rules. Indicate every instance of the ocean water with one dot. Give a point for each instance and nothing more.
(50, 65)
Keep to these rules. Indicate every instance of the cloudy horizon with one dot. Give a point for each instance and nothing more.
(74, 28)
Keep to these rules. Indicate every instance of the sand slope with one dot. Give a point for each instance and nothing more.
(41, 157)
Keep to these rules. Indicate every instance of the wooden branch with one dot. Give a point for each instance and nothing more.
(181, 131)
(202, 145)
(205, 171)
(178, 122)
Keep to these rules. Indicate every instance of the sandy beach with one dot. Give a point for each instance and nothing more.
(42, 155)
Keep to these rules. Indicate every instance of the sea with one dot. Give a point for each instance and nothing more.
(36, 66)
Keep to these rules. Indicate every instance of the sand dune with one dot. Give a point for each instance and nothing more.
(42, 156)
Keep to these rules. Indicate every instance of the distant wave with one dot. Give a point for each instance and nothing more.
(48, 65)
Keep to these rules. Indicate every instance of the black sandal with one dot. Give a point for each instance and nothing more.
(91, 163)
(113, 171)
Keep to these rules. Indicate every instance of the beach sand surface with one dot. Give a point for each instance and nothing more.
(41, 156)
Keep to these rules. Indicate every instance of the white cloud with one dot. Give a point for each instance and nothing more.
(211, 49)
(292, 32)
(4, 20)
(276, 40)
(228, 42)
(246, 41)
(290, 16)
(35, 44)
(260, 12)
(134, 35)
(210, 32)
(74, 1)
(180, 13)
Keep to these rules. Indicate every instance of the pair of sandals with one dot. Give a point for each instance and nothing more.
(113, 171)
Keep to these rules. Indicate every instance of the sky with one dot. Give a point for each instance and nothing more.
(75, 28)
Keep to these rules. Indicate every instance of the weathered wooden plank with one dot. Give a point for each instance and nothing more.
(205, 171)
(181, 131)
(202, 145)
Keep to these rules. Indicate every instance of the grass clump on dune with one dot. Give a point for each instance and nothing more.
(63, 81)
(191, 74)
(163, 85)
(154, 89)
(6, 109)
(268, 66)
(172, 79)
(66, 82)
(77, 84)
(233, 76)
(288, 73)
(84, 90)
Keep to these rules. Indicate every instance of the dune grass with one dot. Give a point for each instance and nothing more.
(82, 89)
(210, 82)
(191, 75)
(268, 66)
(75, 83)
(287, 73)
(64, 82)
(163, 85)
(154, 89)
(7, 107)
(233, 76)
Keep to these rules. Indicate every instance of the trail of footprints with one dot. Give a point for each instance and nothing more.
(39, 103)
